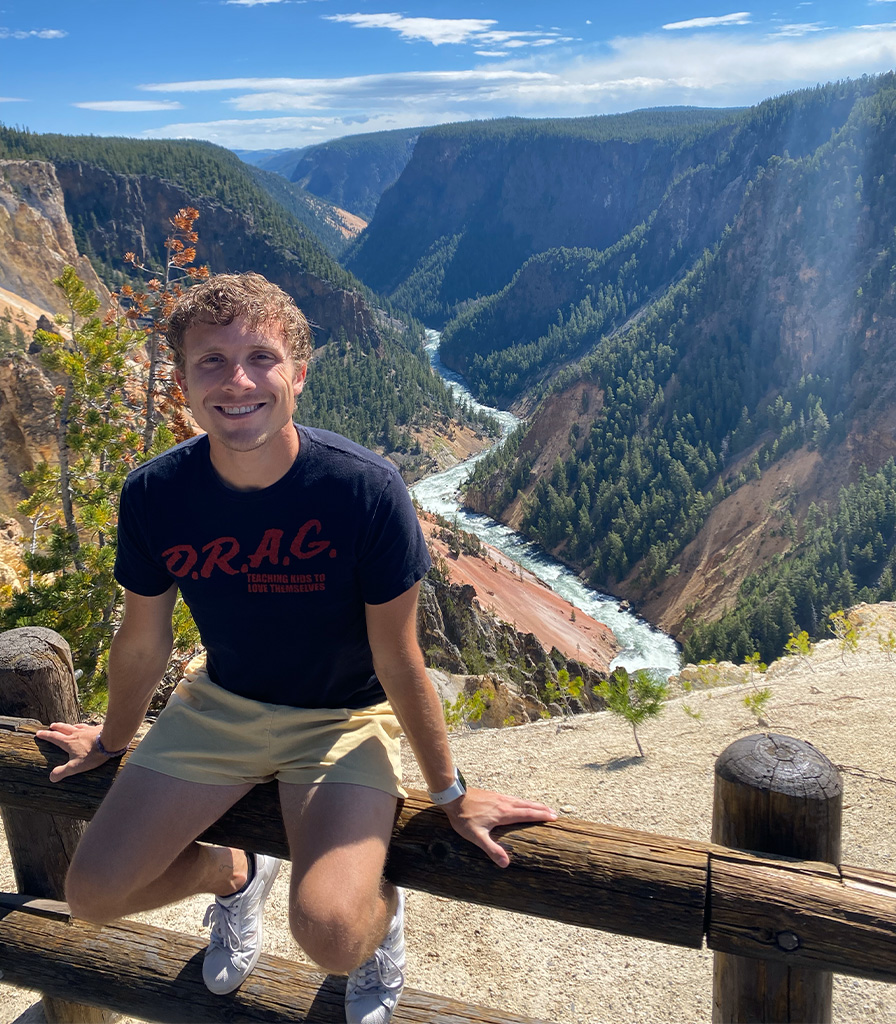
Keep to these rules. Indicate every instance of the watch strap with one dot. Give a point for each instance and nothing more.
(455, 790)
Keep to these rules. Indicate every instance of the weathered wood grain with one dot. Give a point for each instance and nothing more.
(776, 795)
(156, 974)
(803, 914)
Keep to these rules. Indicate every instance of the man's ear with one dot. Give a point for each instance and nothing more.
(299, 382)
(181, 383)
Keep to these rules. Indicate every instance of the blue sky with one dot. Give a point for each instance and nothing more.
(271, 74)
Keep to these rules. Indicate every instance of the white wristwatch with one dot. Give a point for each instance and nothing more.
(456, 789)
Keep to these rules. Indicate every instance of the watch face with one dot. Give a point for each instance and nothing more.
(461, 779)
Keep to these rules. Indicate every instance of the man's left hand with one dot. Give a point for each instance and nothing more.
(478, 811)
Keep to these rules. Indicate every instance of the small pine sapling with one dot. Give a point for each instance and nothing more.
(634, 697)
(798, 646)
(754, 664)
(887, 644)
(564, 691)
(466, 709)
(756, 702)
(691, 713)
(846, 632)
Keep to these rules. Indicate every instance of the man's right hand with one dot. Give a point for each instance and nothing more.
(79, 742)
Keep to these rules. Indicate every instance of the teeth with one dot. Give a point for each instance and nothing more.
(238, 410)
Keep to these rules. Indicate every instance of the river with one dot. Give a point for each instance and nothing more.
(643, 646)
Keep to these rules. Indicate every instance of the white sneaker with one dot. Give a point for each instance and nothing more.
(373, 989)
(236, 930)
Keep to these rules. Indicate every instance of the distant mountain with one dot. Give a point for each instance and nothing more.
(351, 173)
(477, 200)
(653, 227)
(262, 157)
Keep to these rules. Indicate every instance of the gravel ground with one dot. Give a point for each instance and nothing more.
(843, 703)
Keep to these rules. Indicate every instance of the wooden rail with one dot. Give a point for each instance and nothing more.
(137, 969)
(676, 891)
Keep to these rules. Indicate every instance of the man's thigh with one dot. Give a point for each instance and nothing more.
(338, 836)
(145, 821)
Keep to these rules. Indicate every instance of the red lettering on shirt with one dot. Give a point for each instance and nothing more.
(300, 549)
(218, 559)
(173, 557)
(268, 548)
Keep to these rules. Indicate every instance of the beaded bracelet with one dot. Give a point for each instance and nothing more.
(98, 743)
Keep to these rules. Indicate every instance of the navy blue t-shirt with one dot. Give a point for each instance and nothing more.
(276, 579)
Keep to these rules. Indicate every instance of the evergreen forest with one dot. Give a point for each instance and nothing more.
(774, 340)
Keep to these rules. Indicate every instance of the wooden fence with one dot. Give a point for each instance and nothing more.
(779, 920)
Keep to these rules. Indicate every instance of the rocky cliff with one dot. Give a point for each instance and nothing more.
(459, 636)
(36, 241)
(36, 244)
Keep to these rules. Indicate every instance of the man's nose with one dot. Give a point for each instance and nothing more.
(238, 377)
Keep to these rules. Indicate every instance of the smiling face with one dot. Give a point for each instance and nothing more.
(241, 386)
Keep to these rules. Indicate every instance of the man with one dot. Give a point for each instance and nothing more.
(300, 557)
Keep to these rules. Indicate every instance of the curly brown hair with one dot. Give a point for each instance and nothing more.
(224, 298)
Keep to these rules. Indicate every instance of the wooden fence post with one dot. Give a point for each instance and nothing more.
(775, 795)
(37, 681)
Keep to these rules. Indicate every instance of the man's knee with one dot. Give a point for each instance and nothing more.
(337, 936)
(91, 895)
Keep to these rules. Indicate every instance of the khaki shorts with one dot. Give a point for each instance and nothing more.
(207, 734)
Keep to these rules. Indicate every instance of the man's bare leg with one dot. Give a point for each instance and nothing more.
(339, 907)
(139, 853)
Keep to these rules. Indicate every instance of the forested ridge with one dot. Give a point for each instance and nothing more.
(476, 200)
(353, 172)
(200, 168)
(776, 339)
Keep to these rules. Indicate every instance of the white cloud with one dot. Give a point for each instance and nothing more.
(285, 132)
(876, 28)
(717, 69)
(438, 31)
(130, 106)
(13, 99)
(741, 18)
(42, 33)
(795, 31)
(434, 30)
(323, 92)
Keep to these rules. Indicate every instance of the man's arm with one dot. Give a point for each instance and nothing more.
(392, 632)
(138, 658)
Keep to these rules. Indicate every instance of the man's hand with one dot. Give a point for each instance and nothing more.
(79, 742)
(478, 811)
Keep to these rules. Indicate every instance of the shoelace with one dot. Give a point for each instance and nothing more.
(372, 976)
(223, 921)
